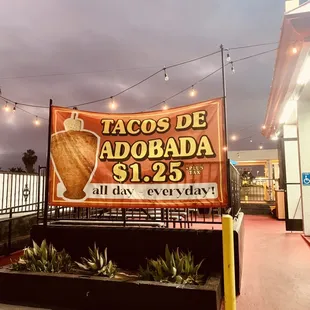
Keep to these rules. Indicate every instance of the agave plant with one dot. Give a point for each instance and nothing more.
(44, 258)
(177, 267)
(98, 263)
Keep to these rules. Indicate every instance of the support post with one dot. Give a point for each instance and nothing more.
(48, 156)
(228, 262)
(227, 162)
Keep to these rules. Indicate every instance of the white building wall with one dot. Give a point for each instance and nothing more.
(304, 154)
(292, 171)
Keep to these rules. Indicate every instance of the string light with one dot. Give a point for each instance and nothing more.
(260, 146)
(112, 104)
(166, 75)
(193, 91)
(233, 137)
(251, 140)
(264, 127)
(145, 79)
(232, 68)
(6, 108)
(36, 121)
(228, 58)
(165, 106)
(225, 148)
(294, 50)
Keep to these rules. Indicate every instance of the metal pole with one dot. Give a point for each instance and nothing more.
(229, 263)
(38, 193)
(48, 164)
(10, 216)
(227, 163)
(224, 95)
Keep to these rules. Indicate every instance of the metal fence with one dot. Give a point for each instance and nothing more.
(260, 190)
(154, 217)
(25, 193)
(19, 192)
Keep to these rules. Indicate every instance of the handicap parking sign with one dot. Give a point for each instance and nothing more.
(306, 178)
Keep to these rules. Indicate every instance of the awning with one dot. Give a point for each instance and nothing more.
(292, 56)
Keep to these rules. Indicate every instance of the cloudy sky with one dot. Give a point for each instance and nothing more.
(76, 50)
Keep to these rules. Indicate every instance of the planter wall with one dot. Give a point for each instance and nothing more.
(77, 292)
(21, 227)
(130, 247)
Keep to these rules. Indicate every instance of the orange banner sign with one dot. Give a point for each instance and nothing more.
(173, 159)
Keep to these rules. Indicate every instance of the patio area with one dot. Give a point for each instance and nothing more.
(276, 267)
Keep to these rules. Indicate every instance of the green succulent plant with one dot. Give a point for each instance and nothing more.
(98, 263)
(176, 267)
(44, 258)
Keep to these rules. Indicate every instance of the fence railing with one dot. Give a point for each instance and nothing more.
(155, 217)
(23, 193)
(260, 190)
(19, 192)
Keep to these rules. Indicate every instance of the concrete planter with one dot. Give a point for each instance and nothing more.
(91, 292)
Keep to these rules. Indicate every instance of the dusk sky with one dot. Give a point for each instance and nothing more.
(74, 51)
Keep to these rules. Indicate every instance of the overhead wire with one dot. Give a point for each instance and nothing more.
(147, 78)
(209, 75)
(18, 104)
(253, 45)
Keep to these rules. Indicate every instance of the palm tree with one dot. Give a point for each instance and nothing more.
(29, 159)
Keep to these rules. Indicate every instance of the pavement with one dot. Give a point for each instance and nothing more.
(14, 307)
(4, 217)
(276, 270)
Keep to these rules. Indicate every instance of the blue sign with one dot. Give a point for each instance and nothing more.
(306, 178)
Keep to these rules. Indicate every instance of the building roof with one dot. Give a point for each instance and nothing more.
(292, 52)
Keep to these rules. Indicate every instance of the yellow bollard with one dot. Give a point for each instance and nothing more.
(229, 263)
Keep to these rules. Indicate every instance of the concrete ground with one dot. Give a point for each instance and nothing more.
(276, 274)
(12, 307)
(5, 217)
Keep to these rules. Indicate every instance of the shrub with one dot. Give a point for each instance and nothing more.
(44, 258)
(98, 263)
(177, 267)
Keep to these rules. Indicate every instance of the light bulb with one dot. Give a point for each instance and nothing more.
(228, 58)
(294, 50)
(193, 92)
(261, 147)
(37, 121)
(112, 104)
(225, 148)
(166, 75)
(6, 108)
(233, 137)
(264, 127)
(232, 68)
(251, 140)
(165, 106)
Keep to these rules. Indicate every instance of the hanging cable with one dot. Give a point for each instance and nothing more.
(147, 78)
(187, 88)
(253, 45)
(24, 104)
